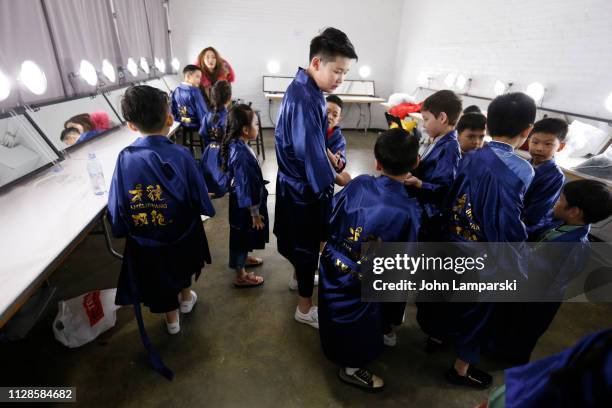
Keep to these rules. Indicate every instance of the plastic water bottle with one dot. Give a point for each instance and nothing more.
(96, 175)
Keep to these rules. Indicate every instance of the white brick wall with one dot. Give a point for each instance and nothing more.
(250, 33)
(566, 45)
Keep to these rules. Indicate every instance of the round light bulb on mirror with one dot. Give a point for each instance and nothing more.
(461, 82)
(450, 79)
(160, 65)
(176, 64)
(536, 91)
(609, 103)
(33, 77)
(88, 72)
(144, 65)
(499, 87)
(273, 67)
(423, 79)
(109, 71)
(365, 71)
(132, 67)
(5, 86)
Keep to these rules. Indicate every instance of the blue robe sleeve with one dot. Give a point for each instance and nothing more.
(337, 144)
(174, 107)
(247, 184)
(200, 105)
(116, 206)
(198, 191)
(435, 188)
(540, 199)
(309, 145)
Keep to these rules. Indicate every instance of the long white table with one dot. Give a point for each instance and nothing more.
(357, 99)
(43, 218)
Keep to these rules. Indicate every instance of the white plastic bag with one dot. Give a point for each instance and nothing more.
(397, 98)
(83, 318)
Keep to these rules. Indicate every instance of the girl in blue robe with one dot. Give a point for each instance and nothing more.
(212, 131)
(248, 211)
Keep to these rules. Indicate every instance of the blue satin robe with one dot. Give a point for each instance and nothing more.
(304, 173)
(368, 208)
(217, 181)
(541, 197)
(155, 200)
(485, 203)
(437, 171)
(85, 136)
(532, 385)
(188, 106)
(336, 142)
(248, 188)
(213, 126)
(516, 327)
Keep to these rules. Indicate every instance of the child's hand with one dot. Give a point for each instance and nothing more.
(258, 222)
(343, 178)
(338, 157)
(413, 181)
(333, 158)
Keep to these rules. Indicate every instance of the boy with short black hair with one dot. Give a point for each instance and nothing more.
(304, 171)
(439, 161)
(188, 106)
(471, 131)
(155, 201)
(368, 208)
(472, 109)
(546, 139)
(515, 331)
(486, 200)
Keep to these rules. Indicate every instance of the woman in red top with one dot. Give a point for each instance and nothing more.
(214, 68)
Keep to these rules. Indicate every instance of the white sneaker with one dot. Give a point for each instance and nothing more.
(311, 318)
(293, 283)
(187, 306)
(173, 328)
(204, 217)
(390, 340)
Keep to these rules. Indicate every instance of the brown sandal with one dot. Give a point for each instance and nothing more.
(249, 281)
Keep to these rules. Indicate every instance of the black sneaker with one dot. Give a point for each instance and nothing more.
(475, 378)
(433, 345)
(363, 379)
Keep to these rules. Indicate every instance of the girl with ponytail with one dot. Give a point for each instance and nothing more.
(248, 212)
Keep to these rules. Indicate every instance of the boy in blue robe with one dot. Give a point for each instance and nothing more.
(188, 106)
(580, 376)
(436, 171)
(368, 208)
(335, 141)
(155, 201)
(248, 211)
(547, 138)
(485, 203)
(304, 171)
(515, 330)
(213, 131)
(471, 130)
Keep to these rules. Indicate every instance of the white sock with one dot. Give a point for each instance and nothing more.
(350, 370)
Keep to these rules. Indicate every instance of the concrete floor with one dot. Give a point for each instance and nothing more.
(242, 347)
